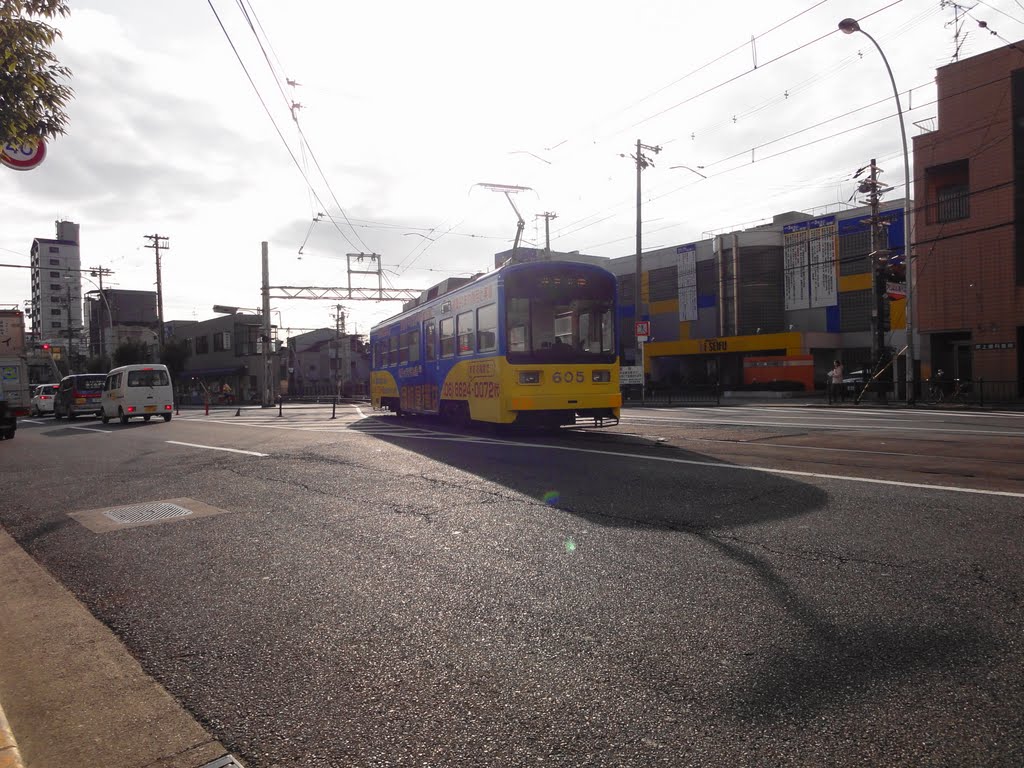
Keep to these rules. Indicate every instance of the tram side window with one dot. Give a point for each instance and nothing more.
(518, 325)
(393, 350)
(403, 348)
(382, 354)
(464, 324)
(414, 345)
(448, 337)
(430, 339)
(487, 328)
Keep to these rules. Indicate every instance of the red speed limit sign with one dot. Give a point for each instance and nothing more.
(643, 328)
(22, 157)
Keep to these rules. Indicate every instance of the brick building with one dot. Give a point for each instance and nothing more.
(969, 249)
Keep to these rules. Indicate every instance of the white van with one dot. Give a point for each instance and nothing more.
(138, 390)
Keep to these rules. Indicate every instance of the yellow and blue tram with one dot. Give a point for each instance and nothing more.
(531, 344)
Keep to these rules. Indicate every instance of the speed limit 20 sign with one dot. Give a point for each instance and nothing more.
(22, 157)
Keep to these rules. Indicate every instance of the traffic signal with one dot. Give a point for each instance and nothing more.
(43, 347)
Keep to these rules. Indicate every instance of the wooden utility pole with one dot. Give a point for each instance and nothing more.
(156, 242)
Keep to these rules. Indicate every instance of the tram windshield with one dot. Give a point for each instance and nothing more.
(559, 317)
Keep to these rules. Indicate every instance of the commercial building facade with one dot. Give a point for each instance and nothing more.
(969, 225)
(800, 287)
(225, 360)
(114, 316)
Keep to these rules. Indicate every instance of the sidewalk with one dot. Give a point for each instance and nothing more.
(72, 693)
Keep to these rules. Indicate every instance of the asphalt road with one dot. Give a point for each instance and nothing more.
(720, 586)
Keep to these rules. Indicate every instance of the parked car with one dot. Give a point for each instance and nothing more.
(854, 381)
(79, 394)
(42, 398)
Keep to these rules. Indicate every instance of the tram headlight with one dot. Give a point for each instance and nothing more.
(601, 377)
(529, 377)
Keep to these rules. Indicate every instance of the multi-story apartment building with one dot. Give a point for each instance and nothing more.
(56, 311)
(969, 225)
(114, 316)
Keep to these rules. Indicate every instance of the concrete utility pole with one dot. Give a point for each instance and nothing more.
(642, 162)
(878, 254)
(268, 399)
(156, 242)
(547, 216)
(69, 330)
(99, 272)
(339, 331)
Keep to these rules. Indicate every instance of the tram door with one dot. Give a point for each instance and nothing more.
(432, 374)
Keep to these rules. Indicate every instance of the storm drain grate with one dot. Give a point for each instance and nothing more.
(228, 761)
(146, 513)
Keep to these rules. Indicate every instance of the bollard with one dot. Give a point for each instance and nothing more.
(238, 412)
(981, 393)
(334, 408)
(280, 406)
(207, 406)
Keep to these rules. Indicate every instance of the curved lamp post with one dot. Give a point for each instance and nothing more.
(849, 26)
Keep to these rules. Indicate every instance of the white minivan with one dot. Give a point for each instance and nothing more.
(138, 390)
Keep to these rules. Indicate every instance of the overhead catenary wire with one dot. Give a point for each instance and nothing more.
(266, 109)
(305, 146)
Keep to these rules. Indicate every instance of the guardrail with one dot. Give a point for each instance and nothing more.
(656, 396)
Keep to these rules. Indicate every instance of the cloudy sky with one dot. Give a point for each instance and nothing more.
(406, 106)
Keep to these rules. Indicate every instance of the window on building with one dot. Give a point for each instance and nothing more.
(487, 328)
(954, 202)
(54, 262)
(54, 287)
(221, 341)
(202, 345)
(448, 337)
(57, 312)
(55, 324)
(54, 249)
(464, 326)
(55, 274)
(948, 189)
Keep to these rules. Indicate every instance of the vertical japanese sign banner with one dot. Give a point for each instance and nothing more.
(794, 264)
(822, 249)
(686, 257)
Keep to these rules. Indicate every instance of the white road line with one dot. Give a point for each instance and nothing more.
(819, 425)
(763, 470)
(217, 448)
(92, 429)
(32, 421)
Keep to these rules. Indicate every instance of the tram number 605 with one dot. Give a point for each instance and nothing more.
(568, 377)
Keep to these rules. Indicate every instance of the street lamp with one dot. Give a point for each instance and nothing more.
(849, 26)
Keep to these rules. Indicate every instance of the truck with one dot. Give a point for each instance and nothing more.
(21, 370)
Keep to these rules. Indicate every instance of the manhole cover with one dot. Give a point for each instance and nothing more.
(146, 513)
(108, 519)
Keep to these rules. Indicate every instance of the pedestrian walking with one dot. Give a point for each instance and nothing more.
(835, 383)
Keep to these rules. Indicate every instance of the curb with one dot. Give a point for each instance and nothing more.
(10, 757)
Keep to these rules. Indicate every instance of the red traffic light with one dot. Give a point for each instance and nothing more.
(46, 346)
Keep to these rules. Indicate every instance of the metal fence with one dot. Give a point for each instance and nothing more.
(977, 392)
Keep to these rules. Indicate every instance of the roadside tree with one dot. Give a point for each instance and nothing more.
(32, 92)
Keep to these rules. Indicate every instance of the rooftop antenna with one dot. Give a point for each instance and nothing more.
(508, 190)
